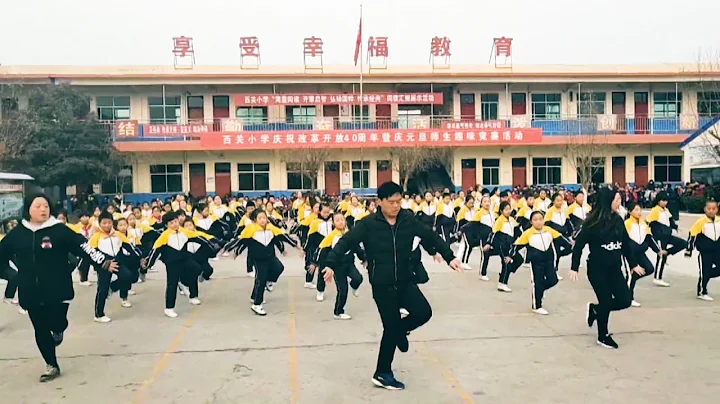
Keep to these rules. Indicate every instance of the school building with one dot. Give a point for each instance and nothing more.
(215, 130)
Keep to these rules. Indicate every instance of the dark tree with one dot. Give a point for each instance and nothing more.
(58, 141)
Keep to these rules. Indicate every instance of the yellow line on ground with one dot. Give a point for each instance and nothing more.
(446, 372)
(293, 381)
(163, 361)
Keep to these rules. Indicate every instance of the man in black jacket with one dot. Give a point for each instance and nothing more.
(388, 237)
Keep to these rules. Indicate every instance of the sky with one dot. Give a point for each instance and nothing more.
(140, 32)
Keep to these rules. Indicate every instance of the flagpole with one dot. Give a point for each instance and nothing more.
(361, 69)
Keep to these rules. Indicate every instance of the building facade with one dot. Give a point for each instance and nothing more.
(214, 130)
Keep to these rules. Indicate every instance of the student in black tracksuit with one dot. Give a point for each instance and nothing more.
(202, 253)
(171, 248)
(505, 232)
(542, 243)
(344, 270)
(318, 228)
(261, 238)
(704, 236)
(662, 225)
(604, 232)
(640, 238)
(388, 236)
(39, 248)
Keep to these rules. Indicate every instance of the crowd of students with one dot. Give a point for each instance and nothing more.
(536, 228)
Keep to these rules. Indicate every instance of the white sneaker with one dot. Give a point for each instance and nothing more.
(11, 302)
(503, 288)
(269, 286)
(404, 312)
(126, 304)
(559, 277)
(103, 319)
(484, 278)
(195, 301)
(309, 285)
(131, 292)
(343, 316)
(320, 296)
(253, 301)
(258, 309)
(356, 292)
(707, 298)
(86, 283)
(635, 303)
(465, 266)
(660, 282)
(21, 310)
(184, 290)
(171, 313)
(251, 274)
(541, 312)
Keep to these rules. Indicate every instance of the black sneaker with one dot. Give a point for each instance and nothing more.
(57, 337)
(51, 373)
(387, 381)
(591, 315)
(607, 342)
(402, 343)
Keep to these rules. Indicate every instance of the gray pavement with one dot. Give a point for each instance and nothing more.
(480, 346)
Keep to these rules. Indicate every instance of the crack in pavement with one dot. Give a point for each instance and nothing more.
(327, 345)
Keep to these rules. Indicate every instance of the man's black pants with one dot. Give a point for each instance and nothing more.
(389, 300)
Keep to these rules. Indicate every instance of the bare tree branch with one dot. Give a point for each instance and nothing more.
(309, 161)
(585, 152)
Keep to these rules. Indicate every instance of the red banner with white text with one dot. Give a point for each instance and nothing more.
(367, 138)
(337, 98)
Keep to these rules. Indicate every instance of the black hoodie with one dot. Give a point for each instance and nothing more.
(41, 256)
(388, 248)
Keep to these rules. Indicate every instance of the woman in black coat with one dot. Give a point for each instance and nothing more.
(39, 247)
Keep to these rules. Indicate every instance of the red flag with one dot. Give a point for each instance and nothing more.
(358, 42)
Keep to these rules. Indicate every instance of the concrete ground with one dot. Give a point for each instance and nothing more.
(480, 346)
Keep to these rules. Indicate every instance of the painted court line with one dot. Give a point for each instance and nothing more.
(447, 373)
(163, 361)
(293, 382)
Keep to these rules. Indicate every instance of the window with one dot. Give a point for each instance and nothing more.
(300, 114)
(597, 170)
(519, 105)
(708, 104)
(667, 105)
(123, 183)
(252, 115)
(111, 109)
(591, 104)
(668, 168)
(546, 170)
(195, 107)
(254, 176)
(361, 174)
(8, 107)
(545, 106)
(296, 178)
(166, 178)
(164, 111)
(491, 171)
(489, 106)
(408, 117)
(365, 113)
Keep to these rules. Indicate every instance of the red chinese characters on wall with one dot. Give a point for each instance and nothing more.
(313, 46)
(360, 139)
(378, 46)
(249, 46)
(440, 47)
(331, 99)
(126, 129)
(503, 46)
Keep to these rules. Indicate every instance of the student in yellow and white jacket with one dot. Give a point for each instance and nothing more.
(704, 236)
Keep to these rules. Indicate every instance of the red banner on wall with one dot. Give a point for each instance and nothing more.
(367, 138)
(473, 125)
(175, 130)
(337, 98)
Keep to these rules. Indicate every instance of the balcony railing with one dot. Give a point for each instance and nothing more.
(551, 126)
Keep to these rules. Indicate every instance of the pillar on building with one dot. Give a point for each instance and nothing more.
(210, 176)
(208, 113)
